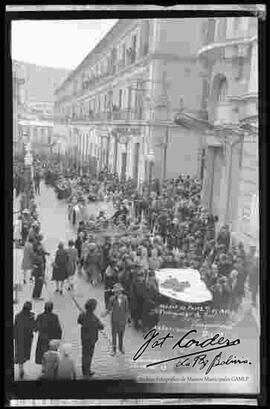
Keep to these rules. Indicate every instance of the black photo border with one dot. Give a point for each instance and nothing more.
(110, 389)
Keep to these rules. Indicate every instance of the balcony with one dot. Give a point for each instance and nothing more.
(227, 49)
(128, 115)
(131, 56)
(121, 115)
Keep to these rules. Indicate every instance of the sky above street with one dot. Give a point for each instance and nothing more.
(58, 44)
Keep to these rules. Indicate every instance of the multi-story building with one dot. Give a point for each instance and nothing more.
(118, 106)
(36, 125)
(18, 81)
(33, 92)
(229, 62)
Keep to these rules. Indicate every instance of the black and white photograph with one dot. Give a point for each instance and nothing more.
(136, 231)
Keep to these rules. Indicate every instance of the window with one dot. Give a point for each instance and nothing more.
(98, 103)
(124, 54)
(211, 31)
(222, 90)
(134, 46)
(134, 42)
(120, 99)
(204, 93)
(129, 98)
(145, 34)
(113, 60)
(236, 24)
(221, 27)
(240, 69)
(108, 64)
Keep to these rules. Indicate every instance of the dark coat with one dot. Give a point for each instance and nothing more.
(38, 266)
(137, 295)
(48, 326)
(60, 269)
(78, 246)
(106, 254)
(109, 281)
(90, 325)
(28, 255)
(72, 253)
(119, 313)
(224, 238)
(23, 334)
(150, 307)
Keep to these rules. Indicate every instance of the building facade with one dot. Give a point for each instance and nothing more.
(229, 60)
(117, 107)
(33, 106)
(36, 125)
(18, 99)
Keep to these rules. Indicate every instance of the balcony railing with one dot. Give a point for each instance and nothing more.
(128, 115)
(121, 115)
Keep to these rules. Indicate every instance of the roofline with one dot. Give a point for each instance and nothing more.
(94, 50)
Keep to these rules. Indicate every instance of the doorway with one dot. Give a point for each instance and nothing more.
(136, 162)
(124, 165)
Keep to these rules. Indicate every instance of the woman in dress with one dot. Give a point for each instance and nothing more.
(92, 264)
(60, 268)
(23, 335)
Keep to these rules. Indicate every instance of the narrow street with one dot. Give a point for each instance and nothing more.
(56, 227)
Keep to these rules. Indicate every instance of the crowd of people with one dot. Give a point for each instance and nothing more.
(157, 227)
(165, 227)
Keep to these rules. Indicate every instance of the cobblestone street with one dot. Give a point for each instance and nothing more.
(55, 227)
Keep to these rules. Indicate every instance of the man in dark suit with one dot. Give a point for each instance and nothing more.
(90, 325)
(118, 306)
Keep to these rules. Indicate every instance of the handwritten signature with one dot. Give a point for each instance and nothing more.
(198, 358)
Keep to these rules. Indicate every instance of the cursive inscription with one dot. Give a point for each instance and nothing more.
(199, 358)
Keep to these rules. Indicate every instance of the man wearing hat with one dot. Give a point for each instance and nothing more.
(118, 306)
